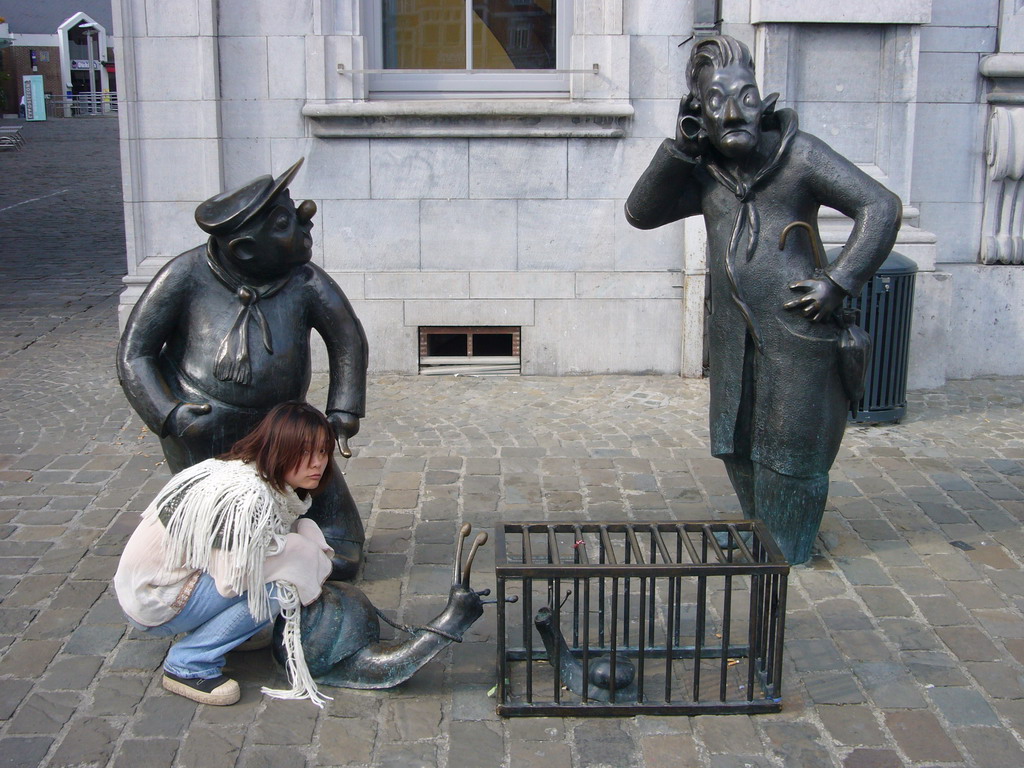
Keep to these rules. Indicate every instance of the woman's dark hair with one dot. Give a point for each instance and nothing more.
(278, 443)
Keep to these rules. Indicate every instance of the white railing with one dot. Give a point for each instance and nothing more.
(83, 105)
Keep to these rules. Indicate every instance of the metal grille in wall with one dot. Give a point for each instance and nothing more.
(469, 351)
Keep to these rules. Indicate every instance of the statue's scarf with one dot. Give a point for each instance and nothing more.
(232, 363)
(747, 217)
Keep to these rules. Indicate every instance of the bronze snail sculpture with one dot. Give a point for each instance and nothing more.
(341, 631)
(602, 677)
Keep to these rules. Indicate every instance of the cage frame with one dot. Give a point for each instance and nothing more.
(750, 551)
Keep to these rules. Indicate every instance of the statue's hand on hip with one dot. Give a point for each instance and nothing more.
(186, 418)
(819, 298)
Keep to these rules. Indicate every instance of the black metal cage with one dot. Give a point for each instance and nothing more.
(630, 618)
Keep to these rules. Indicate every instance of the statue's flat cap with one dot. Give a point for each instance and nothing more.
(229, 211)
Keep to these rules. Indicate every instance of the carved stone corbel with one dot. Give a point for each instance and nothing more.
(1002, 240)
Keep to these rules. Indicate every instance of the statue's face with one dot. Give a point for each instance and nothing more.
(731, 105)
(281, 238)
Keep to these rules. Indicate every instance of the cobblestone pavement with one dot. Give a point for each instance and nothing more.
(905, 637)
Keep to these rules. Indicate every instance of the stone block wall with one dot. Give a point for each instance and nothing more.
(486, 213)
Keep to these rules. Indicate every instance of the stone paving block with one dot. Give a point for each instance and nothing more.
(910, 635)
(952, 567)
(11, 548)
(942, 611)
(379, 566)
(32, 589)
(1016, 649)
(388, 520)
(843, 614)
(142, 655)
(70, 673)
(346, 741)
(43, 713)
(481, 466)
(936, 668)
(94, 567)
(728, 735)
(852, 726)
(16, 566)
(270, 757)
(969, 643)
(118, 694)
(885, 601)
(546, 729)
(281, 722)
(165, 715)
(872, 758)
(819, 584)
(999, 679)
(814, 655)
(88, 741)
(11, 694)
(28, 658)
(602, 742)
(22, 752)
(90, 639)
(863, 571)
(475, 744)
(991, 746)
(422, 754)
(668, 751)
(796, 743)
(962, 706)
(739, 761)
(471, 702)
(862, 645)
(411, 719)
(106, 610)
(537, 754)
(1002, 624)
(1013, 712)
(152, 753)
(921, 737)
(206, 747)
(14, 621)
(833, 688)
(889, 686)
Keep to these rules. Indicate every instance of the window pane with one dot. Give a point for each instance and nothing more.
(424, 34)
(514, 34)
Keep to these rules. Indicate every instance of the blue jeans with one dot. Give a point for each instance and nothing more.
(214, 625)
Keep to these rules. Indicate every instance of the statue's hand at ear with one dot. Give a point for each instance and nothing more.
(691, 138)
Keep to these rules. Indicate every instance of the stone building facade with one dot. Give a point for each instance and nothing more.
(494, 198)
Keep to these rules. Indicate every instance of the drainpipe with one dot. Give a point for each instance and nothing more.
(707, 15)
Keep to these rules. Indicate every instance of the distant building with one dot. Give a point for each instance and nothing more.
(71, 52)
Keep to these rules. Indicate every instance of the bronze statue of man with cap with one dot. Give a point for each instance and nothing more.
(221, 335)
(783, 372)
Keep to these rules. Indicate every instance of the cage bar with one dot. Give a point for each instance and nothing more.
(667, 618)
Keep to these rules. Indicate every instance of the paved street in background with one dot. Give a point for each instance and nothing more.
(904, 635)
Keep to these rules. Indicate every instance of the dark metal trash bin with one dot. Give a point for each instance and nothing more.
(885, 307)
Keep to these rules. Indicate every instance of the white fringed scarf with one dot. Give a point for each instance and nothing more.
(226, 505)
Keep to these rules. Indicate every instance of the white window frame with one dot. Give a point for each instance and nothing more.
(466, 83)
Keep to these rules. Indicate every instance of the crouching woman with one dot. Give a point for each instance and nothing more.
(222, 550)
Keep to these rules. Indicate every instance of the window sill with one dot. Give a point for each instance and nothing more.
(498, 118)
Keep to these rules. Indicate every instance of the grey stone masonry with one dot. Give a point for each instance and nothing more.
(905, 641)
